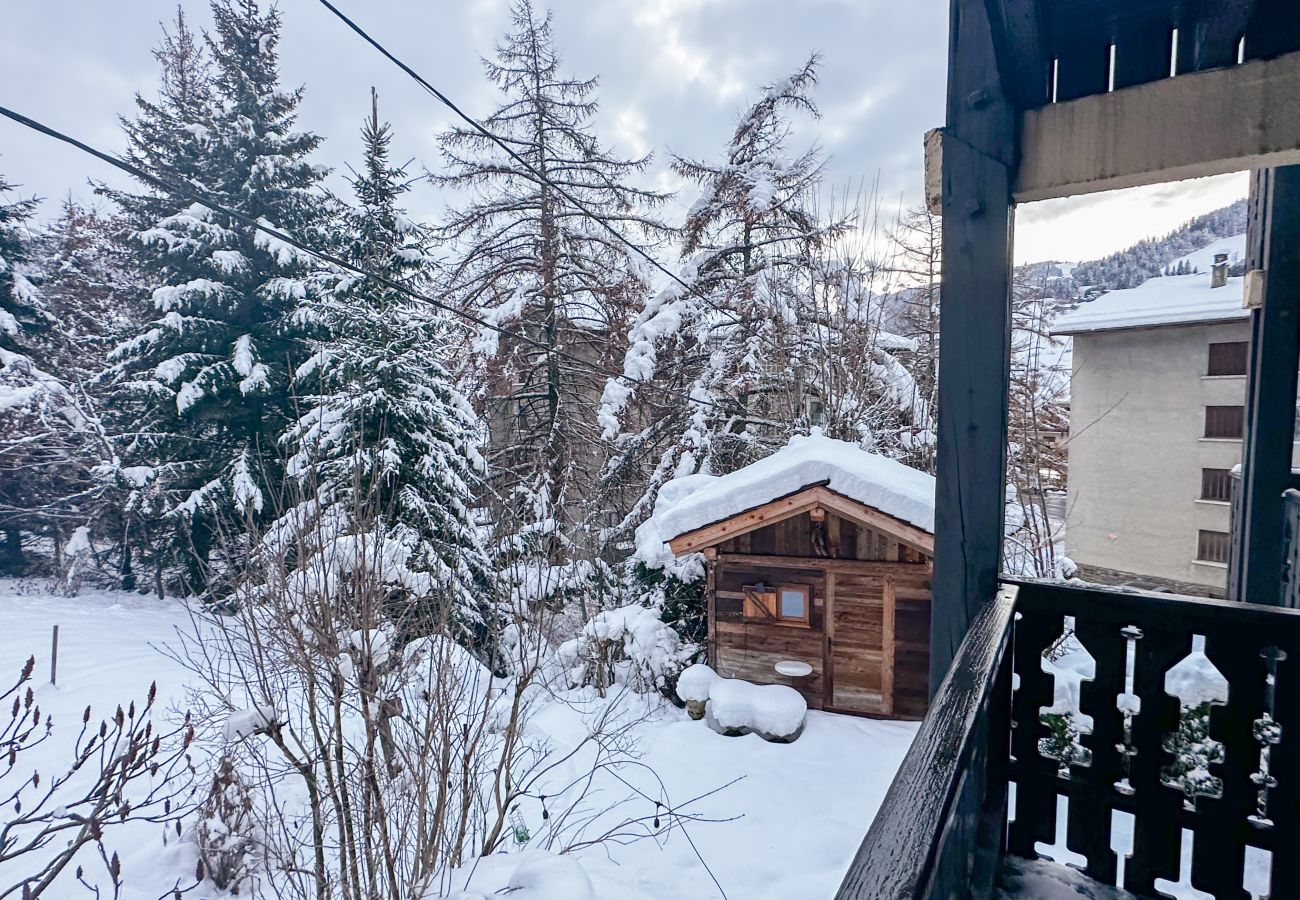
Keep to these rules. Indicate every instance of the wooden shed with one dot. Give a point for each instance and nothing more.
(821, 555)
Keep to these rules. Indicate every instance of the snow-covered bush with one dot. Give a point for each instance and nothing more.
(630, 645)
(1194, 751)
(382, 752)
(226, 834)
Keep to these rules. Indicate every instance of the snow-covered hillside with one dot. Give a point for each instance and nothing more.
(1167, 299)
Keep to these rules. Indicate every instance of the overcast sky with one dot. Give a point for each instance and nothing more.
(674, 74)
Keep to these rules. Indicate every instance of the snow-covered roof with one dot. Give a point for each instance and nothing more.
(1166, 300)
(1203, 259)
(887, 485)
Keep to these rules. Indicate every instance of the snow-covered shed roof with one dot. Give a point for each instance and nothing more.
(1166, 300)
(887, 485)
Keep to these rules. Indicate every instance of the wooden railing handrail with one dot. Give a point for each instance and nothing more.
(1113, 602)
(899, 856)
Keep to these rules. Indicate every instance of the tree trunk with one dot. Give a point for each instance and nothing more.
(12, 560)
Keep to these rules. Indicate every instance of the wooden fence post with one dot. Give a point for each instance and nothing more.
(54, 656)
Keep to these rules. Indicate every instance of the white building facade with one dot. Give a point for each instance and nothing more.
(1158, 384)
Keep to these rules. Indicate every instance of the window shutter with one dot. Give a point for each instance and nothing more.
(760, 603)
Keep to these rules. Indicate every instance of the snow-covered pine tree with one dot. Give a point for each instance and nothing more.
(385, 456)
(86, 284)
(532, 261)
(210, 374)
(24, 321)
(88, 276)
(724, 343)
(781, 332)
(23, 316)
(50, 439)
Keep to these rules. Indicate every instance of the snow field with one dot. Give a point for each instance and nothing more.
(107, 656)
(784, 820)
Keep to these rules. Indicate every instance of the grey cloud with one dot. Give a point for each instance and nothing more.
(674, 75)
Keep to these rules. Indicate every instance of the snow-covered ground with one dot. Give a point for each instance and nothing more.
(793, 819)
(107, 656)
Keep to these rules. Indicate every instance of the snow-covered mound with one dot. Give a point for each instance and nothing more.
(1168, 299)
(686, 504)
(531, 875)
(772, 711)
(694, 683)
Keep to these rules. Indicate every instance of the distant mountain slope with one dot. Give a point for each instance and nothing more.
(1146, 259)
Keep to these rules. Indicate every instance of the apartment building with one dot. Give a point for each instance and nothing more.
(1158, 383)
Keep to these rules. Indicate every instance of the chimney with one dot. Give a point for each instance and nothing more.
(1219, 272)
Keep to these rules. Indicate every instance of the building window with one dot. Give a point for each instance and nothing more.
(792, 602)
(1225, 421)
(789, 604)
(1227, 358)
(1213, 546)
(1216, 484)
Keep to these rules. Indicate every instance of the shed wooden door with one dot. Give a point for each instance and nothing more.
(860, 642)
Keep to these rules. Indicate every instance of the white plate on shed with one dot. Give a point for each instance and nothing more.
(793, 668)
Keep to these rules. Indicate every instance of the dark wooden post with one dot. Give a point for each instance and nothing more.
(978, 158)
(1273, 255)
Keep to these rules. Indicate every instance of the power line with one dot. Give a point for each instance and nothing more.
(198, 197)
(533, 170)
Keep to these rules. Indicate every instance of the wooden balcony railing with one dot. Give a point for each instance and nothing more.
(1150, 740)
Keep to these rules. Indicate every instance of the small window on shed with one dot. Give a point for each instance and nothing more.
(788, 604)
(792, 602)
(1227, 358)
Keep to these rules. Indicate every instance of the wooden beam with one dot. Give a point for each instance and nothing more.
(712, 566)
(1207, 123)
(852, 566)
(805, 500)
(978, 110)
(1021, 52)
(979, 153)
(974, 358)
(904, 532)
(1255, 571)
(725, 529)
(887, 648)
(828, 641)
